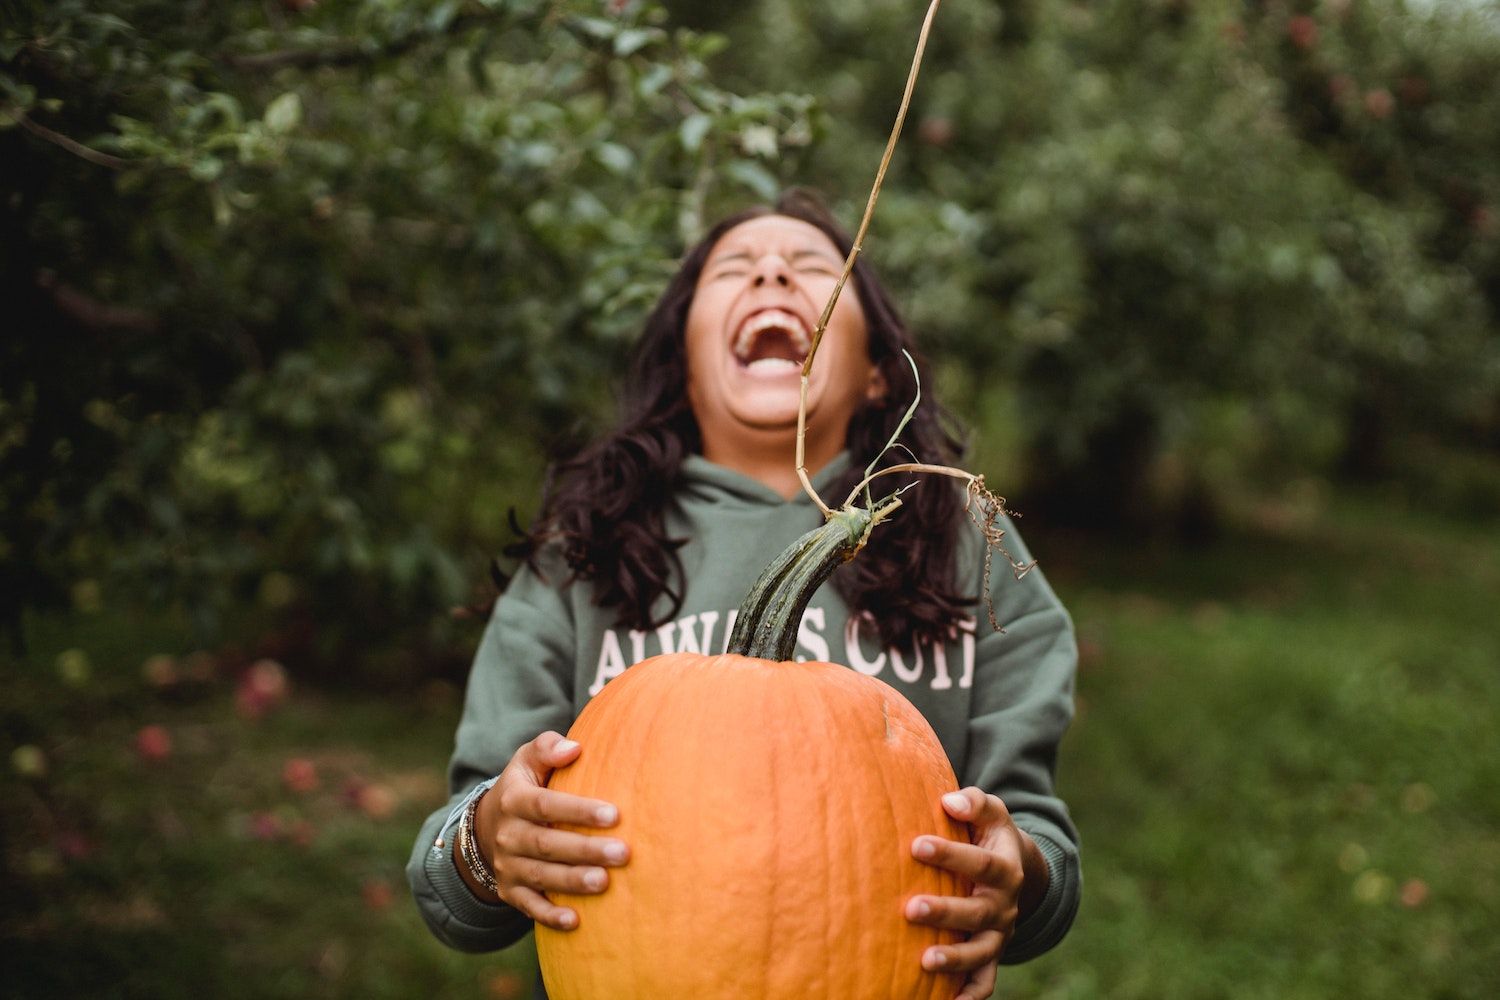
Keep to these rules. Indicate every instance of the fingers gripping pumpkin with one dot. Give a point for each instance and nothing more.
(770, 806)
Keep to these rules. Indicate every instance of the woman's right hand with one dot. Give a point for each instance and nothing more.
(528, 856)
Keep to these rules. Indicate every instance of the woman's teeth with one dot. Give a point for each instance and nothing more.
(773, 366)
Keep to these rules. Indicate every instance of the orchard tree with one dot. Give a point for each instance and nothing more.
(310, 290)
(1179, 251)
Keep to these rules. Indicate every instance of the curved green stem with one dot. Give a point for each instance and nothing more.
(769, 616)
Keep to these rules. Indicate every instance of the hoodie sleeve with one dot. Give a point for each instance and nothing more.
(519, 687)
(1023, 703)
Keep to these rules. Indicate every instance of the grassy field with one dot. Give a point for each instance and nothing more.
(1283, 768)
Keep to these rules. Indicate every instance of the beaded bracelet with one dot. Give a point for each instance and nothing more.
(459, 811)
(468, 849)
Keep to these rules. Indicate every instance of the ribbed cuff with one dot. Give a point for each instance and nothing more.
(458, 917)
(458, 897)
(1046, 926)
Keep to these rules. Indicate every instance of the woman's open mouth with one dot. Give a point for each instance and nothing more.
(772, 342)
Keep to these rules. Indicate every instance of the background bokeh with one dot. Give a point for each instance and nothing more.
(299, 298)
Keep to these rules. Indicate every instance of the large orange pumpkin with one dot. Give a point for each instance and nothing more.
(770, 807)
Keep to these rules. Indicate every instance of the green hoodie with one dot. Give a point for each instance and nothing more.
(999, 702)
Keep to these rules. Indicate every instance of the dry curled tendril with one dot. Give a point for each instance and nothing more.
(986, 509)
(983, 507)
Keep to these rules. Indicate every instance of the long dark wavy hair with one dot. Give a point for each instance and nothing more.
(605, 506)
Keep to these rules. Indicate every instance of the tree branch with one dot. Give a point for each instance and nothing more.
(90, 313)
(73, 146)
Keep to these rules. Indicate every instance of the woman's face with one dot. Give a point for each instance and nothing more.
(758, 299)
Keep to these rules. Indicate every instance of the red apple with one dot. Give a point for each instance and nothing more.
(1414, 90)
(377, 894)
(1303, 32)
(74, 846)
(1379, 103)
(160, 671)
(936, 131)
(153, 743)
(265, 826)
(504, 985)
(299, 775)
(377, 801)
(302, 833)
(263, 687)
(1483, 220)
(354, 788)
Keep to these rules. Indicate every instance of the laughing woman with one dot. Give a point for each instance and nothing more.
(649, 538)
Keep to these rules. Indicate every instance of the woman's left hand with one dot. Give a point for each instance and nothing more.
(1009, 876)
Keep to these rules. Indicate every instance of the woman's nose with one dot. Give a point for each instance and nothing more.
(772, 269)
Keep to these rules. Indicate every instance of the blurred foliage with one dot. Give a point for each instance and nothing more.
(309, 291)
(312, 289)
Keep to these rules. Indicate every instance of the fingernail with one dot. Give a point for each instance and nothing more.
(614, 851)
(924, 848)
(606, 814)
(567, 919)
(564, 746)
(594, 879)
(921, 909)
(936, 959)
(956, 802)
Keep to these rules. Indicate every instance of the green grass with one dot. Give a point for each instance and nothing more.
(1276, 737)
(203, 874)
(1283, 769)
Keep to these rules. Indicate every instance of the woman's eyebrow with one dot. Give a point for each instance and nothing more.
(822, 254)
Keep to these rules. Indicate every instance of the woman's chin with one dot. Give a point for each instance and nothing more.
(769, 410)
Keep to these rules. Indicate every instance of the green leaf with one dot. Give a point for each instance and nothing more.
(654, 79)
(758, 140)
(207, 168)
(705, 47)
(21, 95)
(693, 129)
(755, 177)
(632, 40)
(441, 16)
(598, 27)
(617, 158)
(284, 113)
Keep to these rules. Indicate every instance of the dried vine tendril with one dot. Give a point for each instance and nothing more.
(990, 509)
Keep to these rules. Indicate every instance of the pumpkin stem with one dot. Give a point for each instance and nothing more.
(770, 614)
